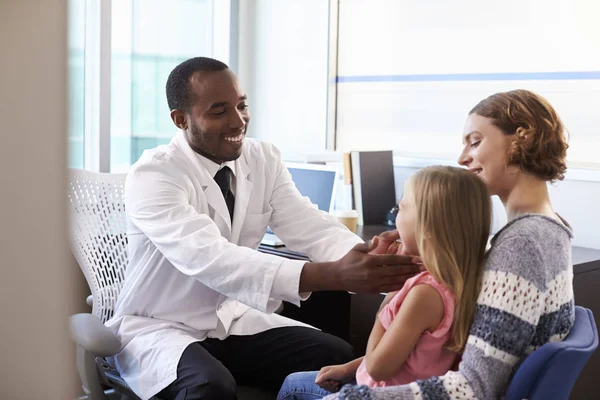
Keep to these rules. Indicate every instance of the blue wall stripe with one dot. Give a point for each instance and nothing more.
(500, 76)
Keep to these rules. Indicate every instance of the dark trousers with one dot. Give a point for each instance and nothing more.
(212, 369)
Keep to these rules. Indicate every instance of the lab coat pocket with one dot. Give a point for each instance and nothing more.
(254, 228)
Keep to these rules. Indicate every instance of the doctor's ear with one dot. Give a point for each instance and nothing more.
(179, 119)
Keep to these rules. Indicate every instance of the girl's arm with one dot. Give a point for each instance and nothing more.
(421, 310)
(353, 365)
(386, 300)
(341, 373)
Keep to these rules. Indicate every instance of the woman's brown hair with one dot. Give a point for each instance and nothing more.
(540, 146)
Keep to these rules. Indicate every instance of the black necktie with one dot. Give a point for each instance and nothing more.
(223, 179)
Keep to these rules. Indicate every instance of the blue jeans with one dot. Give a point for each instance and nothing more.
(301, 386)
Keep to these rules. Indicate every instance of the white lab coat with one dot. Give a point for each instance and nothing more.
(191, 273)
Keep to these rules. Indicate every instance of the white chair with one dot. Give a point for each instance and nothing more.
(99, 244)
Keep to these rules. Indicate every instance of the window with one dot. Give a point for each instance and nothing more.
(76, 43)
(410, 71)
(283, 68)
(149, 38)
(145, 39)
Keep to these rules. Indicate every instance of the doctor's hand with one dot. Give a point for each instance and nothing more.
(389, 243)
(360, 272)
(386, 243)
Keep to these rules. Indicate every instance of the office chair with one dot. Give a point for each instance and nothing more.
(551, 371)
(99, 244)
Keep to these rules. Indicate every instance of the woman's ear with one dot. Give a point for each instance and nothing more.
(521, 133)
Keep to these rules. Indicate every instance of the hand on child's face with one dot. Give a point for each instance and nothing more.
(388, 243)
(385, 243)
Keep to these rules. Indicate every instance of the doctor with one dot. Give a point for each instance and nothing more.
(195, 314)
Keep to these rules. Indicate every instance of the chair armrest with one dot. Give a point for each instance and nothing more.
(90, 300)
(91, 334)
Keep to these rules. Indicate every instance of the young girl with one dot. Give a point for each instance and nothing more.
(421, 330)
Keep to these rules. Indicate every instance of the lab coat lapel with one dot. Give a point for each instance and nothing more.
(215, 199)
(243, 189)
(212, 192)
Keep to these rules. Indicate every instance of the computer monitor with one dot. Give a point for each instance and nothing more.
(317, 182)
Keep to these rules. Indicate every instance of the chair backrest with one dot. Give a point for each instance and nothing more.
(551, 371)
(98, 234)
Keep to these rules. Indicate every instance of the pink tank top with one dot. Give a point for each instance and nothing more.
(429, 357)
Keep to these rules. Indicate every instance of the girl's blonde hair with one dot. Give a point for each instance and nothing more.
(453, 225)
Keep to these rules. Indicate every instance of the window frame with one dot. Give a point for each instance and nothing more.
(98, 59)
(574, 171)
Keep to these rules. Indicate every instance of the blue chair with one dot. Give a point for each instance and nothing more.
(551, 371)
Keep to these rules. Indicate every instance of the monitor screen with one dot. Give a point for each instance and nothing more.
(317, 182)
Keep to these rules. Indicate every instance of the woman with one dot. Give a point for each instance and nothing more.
(515, 142)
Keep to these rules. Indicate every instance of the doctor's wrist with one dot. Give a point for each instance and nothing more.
(317, 276)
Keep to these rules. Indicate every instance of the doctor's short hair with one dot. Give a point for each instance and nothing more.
(179, 92)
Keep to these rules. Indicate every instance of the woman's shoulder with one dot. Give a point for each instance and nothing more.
(535, 227)
(534, 247)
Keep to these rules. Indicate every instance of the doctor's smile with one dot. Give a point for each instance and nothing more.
(235, 139)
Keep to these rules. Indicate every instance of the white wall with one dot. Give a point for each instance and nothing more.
(36, 288)
(579, 203)
(283, 49)
(409, 73)
(283, 67)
